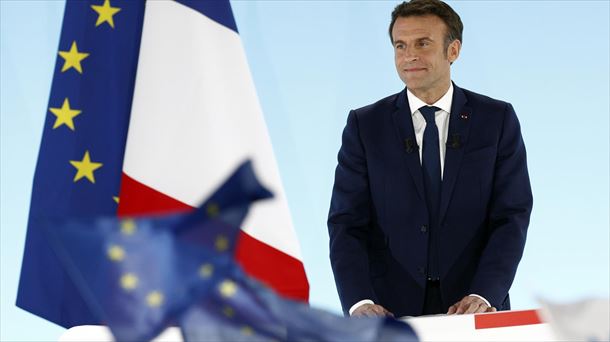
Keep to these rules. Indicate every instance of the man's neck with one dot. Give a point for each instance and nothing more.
(430, 96)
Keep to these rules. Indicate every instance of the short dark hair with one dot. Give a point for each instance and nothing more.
(431, 7)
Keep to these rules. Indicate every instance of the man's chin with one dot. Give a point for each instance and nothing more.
(413, 86)
(413, 82)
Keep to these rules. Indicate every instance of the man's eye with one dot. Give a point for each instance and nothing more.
(424, 44)
(400, 46)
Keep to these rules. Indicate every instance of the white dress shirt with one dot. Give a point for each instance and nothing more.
(441, 118)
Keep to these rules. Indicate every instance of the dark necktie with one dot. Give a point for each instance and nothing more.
(431, 167)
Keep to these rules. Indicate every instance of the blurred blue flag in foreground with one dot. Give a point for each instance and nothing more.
(139, 275)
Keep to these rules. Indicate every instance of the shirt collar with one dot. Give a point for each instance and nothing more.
(443, 103)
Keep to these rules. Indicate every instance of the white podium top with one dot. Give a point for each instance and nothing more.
(499, 326)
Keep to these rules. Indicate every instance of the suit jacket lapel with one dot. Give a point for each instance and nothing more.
(406, 135)
(457, 137)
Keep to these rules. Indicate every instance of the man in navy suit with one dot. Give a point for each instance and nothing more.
(432, 198)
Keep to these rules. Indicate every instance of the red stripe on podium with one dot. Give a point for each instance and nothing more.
(280, 271)
(506, 319)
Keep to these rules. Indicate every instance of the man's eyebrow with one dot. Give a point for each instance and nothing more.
(426, 38)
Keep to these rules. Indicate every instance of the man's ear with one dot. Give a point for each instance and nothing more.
(453, 50)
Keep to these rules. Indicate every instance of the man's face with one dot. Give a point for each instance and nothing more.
(419, 53)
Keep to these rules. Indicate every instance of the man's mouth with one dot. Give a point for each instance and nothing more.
(414, 69)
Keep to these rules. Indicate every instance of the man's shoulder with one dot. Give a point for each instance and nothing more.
(477, 100)
(385, 105)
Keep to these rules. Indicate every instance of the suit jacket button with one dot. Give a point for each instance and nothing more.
(424, 228)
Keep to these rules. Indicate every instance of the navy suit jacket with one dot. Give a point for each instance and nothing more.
(378, 214)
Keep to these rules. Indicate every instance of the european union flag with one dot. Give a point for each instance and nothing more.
(137, 275)
(81, 153)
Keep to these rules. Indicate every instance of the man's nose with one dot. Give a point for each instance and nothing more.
(410, 55)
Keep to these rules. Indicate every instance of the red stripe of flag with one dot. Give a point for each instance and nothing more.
(506, 319)
(139, 199)
(285, 274)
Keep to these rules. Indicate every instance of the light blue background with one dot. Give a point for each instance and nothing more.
(312, 62)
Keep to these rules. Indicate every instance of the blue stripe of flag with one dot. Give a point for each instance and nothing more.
(217, 10)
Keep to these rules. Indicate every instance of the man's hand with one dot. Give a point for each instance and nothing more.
(371, 310)
(470, 305)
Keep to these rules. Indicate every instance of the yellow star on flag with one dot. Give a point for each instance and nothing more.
(221, 243)
(85, 168)
(73, 58)
(105, 13)
(246, 330)
(116, 199)
(154, 299)
(206, 270)
(228, 311)
(65, 115)
(116, 253)
(213, 210)
(129, 281)
(227, 288)
(128, 227)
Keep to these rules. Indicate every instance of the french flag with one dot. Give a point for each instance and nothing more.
(195, 117)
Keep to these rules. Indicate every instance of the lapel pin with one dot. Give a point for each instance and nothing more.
(464, 116)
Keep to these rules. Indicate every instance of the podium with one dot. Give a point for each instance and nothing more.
(526, 325)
